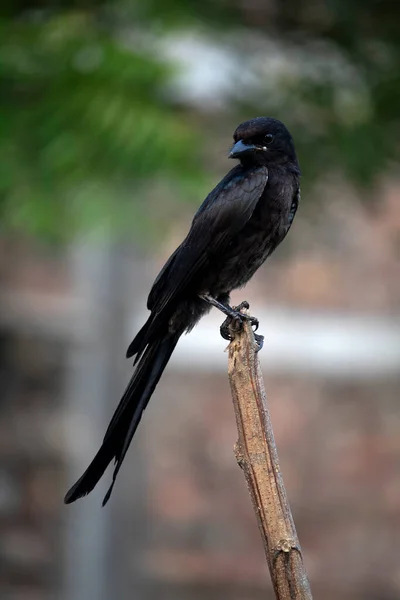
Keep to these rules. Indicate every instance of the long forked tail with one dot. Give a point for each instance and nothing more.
(126, 417)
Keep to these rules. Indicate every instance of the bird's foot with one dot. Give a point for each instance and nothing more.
(253, 320)
(235, 320)
(230, 324)
(259, 341)
(229, 311)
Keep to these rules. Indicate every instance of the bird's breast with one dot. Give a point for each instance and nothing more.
(251, 246)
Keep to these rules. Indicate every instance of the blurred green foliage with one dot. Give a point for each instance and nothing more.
(86, 125)
(82, 123)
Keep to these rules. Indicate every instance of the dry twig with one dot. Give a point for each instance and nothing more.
(256, 454)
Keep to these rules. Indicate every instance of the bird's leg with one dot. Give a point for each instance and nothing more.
(225, 308)
(233, 314)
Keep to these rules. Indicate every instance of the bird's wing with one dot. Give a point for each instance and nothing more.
(223, 213)
(293, 208)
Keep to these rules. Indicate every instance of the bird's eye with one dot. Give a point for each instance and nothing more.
(268, 138)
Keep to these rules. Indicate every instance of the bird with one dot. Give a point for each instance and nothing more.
(237, 227)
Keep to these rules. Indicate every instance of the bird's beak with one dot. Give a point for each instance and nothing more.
(241, 148)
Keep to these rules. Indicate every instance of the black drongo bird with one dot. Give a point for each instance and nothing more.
(237, 227)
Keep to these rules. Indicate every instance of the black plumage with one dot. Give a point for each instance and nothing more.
(237, 227)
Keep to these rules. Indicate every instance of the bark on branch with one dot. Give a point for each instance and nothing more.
(256, 454)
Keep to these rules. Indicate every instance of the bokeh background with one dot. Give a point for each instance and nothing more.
(115, 121)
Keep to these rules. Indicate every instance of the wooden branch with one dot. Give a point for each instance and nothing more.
(256, 454)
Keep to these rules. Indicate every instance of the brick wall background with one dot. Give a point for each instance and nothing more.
(180, 523)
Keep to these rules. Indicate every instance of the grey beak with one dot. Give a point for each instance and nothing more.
(241, 148)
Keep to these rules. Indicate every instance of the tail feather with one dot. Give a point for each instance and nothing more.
(126, 417)
(140, 340)
(148, 334)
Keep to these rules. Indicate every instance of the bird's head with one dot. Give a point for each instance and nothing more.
(263, 141)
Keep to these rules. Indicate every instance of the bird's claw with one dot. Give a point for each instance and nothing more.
(254, 323)
(234, 322)
(224, 330)
(243, 304)
(259, 341)
(253, 320)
